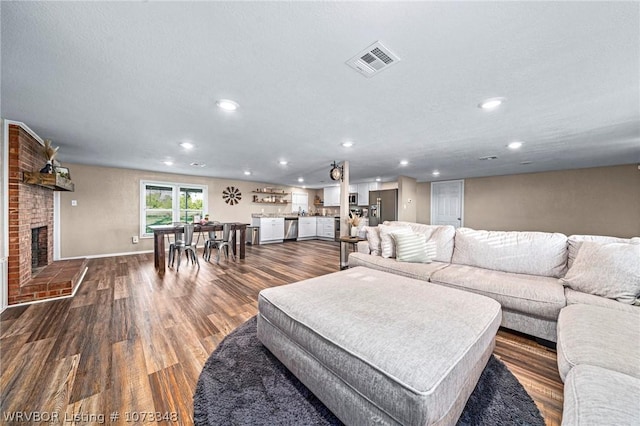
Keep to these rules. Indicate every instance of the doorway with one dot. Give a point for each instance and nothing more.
(447, 203)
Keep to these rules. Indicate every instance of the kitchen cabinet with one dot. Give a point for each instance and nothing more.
(307, 227)
(332, 196)
(363, 192)
(271, 229)
(353, 189)
(325, 227)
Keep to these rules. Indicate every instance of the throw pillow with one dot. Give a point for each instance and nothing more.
(373, 237)
(386, 242)
(410, 248)
(609, 270)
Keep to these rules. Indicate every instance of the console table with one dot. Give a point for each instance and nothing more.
(159, 231)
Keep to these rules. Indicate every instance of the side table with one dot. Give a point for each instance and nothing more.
(347, 245)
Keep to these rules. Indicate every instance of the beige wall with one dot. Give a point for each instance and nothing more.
(407, 199)
(604, 201)
(600, 201)
(107, 214)
(423, 202)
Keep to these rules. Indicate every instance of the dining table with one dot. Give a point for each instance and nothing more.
(159, 231)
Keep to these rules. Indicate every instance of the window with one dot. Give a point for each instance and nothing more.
(164, 203)
(299, 202)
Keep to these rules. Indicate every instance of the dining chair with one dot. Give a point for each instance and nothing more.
(186, 246)
(228, 241)
(212, 242)
(178, 238)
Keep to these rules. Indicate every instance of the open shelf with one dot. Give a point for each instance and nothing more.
(271, 193)
(271, 202)
(51, 181)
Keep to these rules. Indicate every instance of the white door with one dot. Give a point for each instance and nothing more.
(447, 203)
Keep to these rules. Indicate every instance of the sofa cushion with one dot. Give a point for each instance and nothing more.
(603, 337)
(575, 242)
(596, 396)
(534, 253)
(610, 270)
(386, 242)
(442, 235)
(420, 271)
(373, 238)
(578, 297)
(531, 294)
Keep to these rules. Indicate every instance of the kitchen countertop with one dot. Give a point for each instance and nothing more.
(287, 216)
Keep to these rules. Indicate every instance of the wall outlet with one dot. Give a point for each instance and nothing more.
(74, 203)
(134, 239)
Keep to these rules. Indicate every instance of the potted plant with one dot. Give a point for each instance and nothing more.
(353, 221)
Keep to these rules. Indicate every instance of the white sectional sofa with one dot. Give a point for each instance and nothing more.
(581, 291)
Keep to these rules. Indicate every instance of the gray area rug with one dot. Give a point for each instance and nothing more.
(242, 383)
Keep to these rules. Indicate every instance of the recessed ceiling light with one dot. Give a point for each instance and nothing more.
(304, 186)
(347, 144)
(378, 180)
(227, 104)
(300, 179)
(492, 103)
(283, 162)
(515, 145)
(404, 162)
(435, 173)
(168, 163)
(196, 164)
(187, 145)
(247, 173)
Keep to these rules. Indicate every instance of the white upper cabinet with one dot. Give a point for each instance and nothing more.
(363, 192)
(332, 196)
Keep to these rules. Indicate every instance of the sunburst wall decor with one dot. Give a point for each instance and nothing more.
(231, 195)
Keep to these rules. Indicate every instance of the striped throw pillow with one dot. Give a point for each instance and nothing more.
(412, 248)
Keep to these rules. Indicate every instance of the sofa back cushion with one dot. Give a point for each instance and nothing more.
(609, 270)
(534, 253)
(441, 235)
(575, 242)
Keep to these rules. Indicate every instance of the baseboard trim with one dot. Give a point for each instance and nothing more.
(98, 256)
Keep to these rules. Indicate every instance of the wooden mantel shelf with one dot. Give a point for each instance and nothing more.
(51, 181)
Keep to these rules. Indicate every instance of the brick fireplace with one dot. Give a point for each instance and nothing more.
(30, 220)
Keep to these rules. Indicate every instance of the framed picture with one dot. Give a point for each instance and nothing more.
(63, 172)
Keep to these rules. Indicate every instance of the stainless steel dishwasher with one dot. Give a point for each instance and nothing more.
(290, 228)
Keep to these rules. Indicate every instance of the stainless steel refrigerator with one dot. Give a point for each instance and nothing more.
(383, 206)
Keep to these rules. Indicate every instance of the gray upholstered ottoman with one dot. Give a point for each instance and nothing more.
(378, 348)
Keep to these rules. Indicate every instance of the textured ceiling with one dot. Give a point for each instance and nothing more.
(122, 84)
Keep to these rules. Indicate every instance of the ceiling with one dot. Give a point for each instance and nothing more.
(122, 84)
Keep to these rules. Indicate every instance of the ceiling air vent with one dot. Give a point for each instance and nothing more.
(373, 59)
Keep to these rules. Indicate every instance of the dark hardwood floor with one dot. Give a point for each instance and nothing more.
(133, 343)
